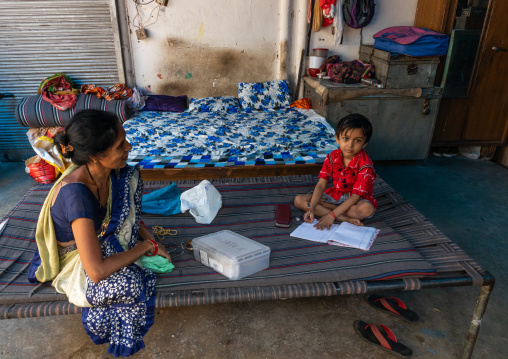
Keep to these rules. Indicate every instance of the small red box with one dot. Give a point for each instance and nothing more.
(283, 215)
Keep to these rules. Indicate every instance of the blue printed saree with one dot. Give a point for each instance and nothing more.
(122, 305)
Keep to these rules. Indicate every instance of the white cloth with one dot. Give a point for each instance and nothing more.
(338, 24)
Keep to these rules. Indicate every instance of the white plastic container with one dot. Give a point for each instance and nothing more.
(231, 254)
(316, 61)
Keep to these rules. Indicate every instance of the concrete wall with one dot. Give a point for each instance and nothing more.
(204, 48)
(388, 13)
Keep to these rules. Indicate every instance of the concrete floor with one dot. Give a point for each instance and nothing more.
(466, 199)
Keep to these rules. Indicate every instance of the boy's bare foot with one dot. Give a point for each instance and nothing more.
(344, 218)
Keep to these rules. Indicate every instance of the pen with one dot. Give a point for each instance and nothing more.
(308, 208)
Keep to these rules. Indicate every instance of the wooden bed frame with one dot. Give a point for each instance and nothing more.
(171, 174)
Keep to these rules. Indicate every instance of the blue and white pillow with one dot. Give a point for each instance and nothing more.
(227, 104)
(264, 95)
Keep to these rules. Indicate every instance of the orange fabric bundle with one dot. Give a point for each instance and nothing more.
(86, 89)
(303, 103)
(115, 92)
(118, 92)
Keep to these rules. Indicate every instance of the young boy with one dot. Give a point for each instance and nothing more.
(350, 199)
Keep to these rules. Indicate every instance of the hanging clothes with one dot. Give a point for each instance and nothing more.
(338, 24)
(328, 7)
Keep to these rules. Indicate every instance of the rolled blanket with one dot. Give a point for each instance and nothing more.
(33, 111)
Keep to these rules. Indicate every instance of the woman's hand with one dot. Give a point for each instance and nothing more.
(145, 234)
(163, 252)
(325, 222)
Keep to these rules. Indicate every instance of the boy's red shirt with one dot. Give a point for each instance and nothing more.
(357, 178)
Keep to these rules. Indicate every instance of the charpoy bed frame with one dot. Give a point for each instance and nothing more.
(409, 254)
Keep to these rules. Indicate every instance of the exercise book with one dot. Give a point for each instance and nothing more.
(344, 235)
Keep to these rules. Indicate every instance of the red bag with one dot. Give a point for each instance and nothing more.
(40, 170)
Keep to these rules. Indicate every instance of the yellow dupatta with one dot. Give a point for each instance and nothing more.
(46, 239)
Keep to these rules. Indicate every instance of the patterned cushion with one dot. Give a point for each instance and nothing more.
(264, 95)
(228, 104)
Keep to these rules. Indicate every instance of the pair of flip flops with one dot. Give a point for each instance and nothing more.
(380, 335)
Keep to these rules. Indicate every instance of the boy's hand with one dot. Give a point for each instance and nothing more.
(324, 222)
(308, 217)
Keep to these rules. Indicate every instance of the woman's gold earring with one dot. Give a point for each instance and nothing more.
(95, 163)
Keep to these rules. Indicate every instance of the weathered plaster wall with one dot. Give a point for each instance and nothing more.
(204, 48)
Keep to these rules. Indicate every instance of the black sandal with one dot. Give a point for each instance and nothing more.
(382, 337)
(391, 305)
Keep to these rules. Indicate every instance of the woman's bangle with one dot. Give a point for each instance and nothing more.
(155, 248)
(333, 214)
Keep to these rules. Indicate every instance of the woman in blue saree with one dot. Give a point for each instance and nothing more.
(87, 235)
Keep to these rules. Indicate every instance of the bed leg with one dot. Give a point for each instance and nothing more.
(476, 322)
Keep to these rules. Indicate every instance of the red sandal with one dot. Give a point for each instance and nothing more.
(391, 305)
(382, 337)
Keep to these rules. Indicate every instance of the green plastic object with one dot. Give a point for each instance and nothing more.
(157, 264)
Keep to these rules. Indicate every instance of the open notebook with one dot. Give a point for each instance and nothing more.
(345, 234)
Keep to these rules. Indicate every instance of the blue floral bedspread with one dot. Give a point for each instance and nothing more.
(213, 139)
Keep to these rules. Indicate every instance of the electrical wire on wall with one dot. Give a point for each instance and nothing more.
(138, 21)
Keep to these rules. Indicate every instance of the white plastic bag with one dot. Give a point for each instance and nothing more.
(43, 146)
(137, 101)
(203, 201)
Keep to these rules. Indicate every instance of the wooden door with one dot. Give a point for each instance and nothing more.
(487, 116)
(481, 118)
(436, 15)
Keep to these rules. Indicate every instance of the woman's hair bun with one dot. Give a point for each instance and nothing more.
(61, 139)
(69, 154)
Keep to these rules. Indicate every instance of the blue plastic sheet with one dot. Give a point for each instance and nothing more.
(164, 201)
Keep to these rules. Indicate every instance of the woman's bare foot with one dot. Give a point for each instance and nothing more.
(344, 218)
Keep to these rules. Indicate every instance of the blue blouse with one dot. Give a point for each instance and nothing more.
(75, 200)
